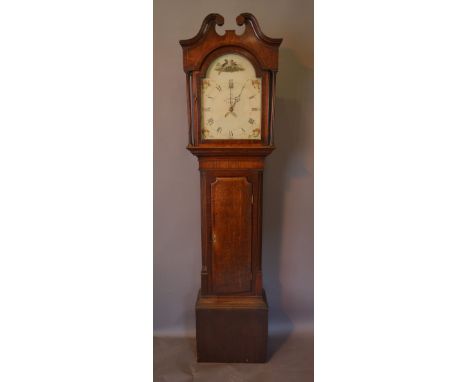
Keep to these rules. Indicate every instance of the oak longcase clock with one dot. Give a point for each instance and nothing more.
(231, 101)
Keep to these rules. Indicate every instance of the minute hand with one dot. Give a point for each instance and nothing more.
(237, 99)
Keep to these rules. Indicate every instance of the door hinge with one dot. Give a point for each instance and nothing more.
(213, 238)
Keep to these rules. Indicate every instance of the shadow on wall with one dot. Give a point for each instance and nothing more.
(294, 141)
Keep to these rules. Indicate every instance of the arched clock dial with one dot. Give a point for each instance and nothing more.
(231, 99)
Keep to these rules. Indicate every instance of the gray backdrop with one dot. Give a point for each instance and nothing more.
(288, 179)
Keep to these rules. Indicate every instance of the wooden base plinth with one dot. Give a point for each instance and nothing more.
(232, 329)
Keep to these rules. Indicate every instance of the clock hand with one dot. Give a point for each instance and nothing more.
(236, 99)
(231, 85)
(231, 111)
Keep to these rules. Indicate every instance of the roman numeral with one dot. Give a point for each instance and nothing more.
(218, 88)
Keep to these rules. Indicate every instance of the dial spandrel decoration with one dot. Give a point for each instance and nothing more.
(231, 99)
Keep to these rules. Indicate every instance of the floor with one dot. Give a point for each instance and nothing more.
(291, 359)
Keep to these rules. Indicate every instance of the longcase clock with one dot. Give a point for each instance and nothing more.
(231, 101)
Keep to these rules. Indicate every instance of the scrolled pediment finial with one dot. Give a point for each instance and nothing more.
(208, 23)
(250, 21)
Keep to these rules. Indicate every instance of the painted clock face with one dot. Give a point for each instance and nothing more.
(231, 99)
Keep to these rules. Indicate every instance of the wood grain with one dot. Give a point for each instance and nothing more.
(231, 221)
(232, 331)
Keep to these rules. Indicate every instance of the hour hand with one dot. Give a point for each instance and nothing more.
(230, 112)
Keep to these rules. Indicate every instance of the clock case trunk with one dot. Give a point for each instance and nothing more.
(231, 308)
